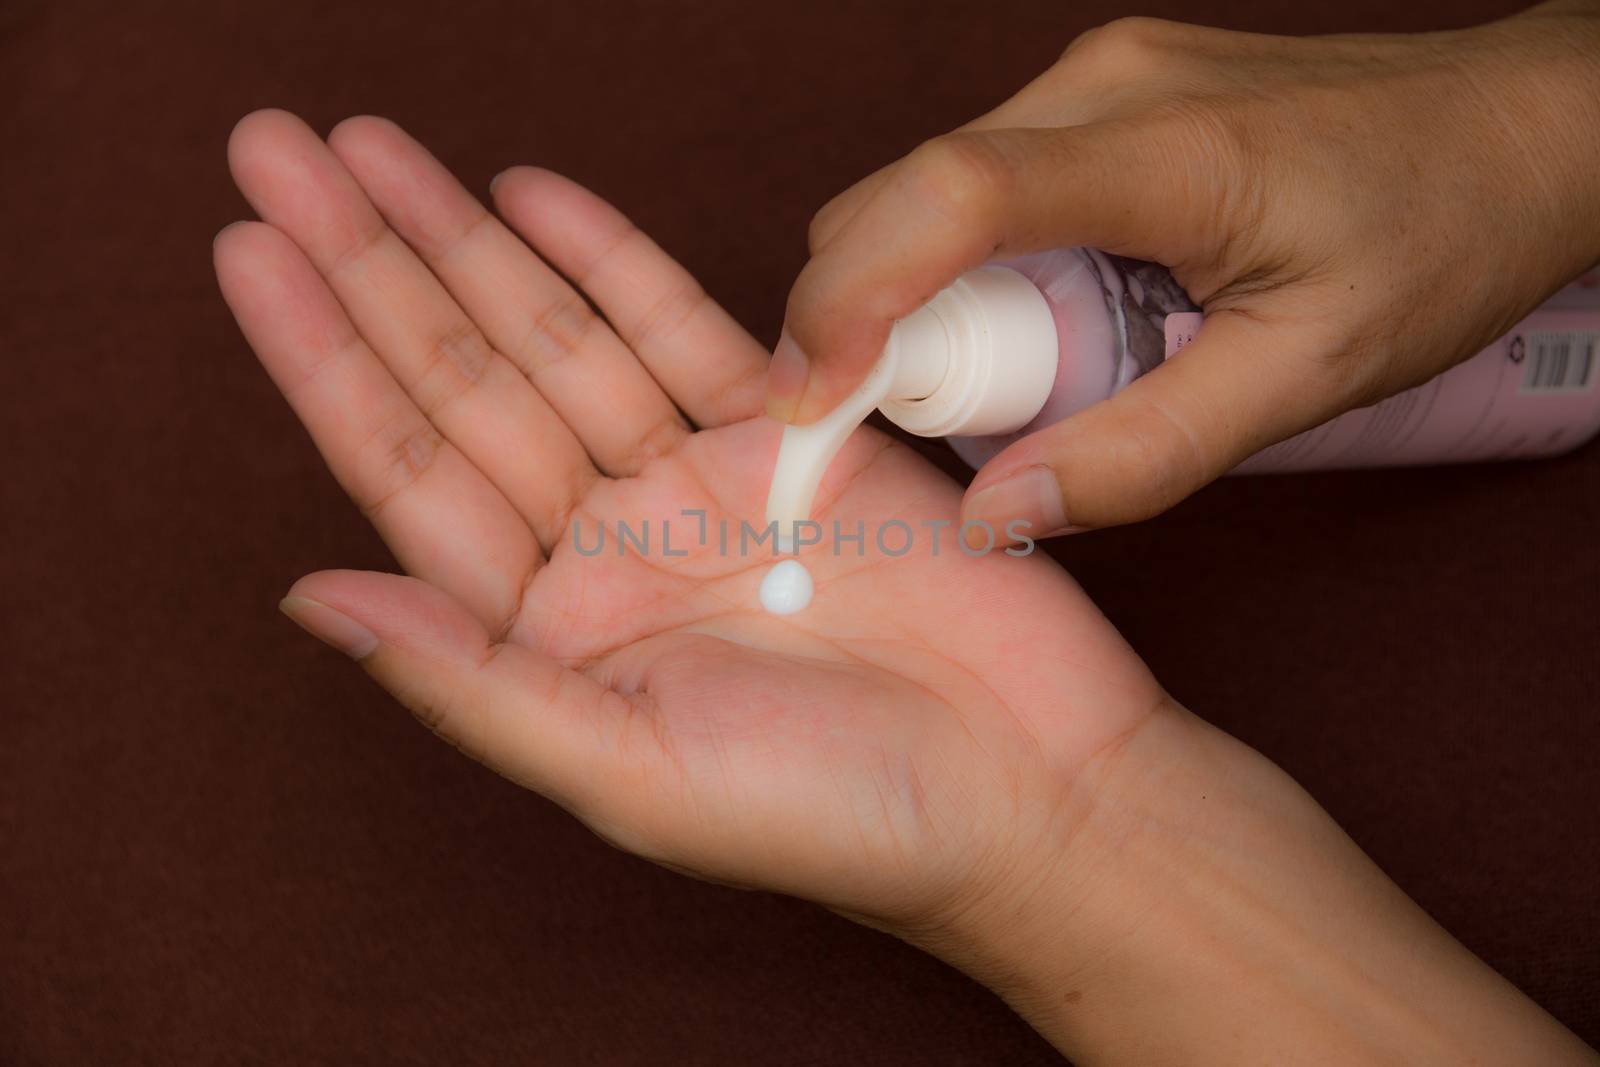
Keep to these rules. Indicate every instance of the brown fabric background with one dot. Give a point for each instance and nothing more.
(220, 843)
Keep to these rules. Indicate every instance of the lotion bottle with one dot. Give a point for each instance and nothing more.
(1012, 347)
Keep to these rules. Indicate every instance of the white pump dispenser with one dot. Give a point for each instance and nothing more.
(979, 358)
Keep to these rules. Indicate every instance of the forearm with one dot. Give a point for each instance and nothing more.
(1213, 913)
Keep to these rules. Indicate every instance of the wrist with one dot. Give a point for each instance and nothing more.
(1120, 950)
(1205, 909)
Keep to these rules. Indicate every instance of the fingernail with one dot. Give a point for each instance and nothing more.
(333, 627)
(787, 375)
(1031, 496)
(495, 181)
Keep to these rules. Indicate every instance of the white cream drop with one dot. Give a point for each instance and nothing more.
(787, 588)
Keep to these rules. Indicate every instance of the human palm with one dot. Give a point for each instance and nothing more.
(884, 751)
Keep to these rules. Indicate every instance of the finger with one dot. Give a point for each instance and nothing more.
(615, 408)
(524, 715)
(478, 400)
(961, 200)
(1108, 66)
(1231, 392)
(440, 516)
(1041, 102)
(706, 362)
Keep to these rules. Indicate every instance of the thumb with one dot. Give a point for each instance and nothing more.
(519, 712)
(1234, 390)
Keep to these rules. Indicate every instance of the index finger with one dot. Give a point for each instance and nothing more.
(957, 202)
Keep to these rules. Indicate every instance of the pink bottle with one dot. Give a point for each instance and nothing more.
(1531, 393)
(1009, 348)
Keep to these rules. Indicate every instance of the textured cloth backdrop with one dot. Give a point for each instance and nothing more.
(220, 843)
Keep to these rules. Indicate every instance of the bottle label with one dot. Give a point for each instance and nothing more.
(1556, 361)
(1536, 391)
(1530, 393)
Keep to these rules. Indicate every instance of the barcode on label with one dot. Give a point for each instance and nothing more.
(1559, 361)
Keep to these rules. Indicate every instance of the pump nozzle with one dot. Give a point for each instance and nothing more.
(979, 358)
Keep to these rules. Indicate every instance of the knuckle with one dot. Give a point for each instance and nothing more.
(455, 361)
(434, 713)
(659, 439)
(440, 242)
(1127, 45)
(1160, 453)
(358, 243)
(667, 315)
(451, 718)
(960, 175)
(400, 452)
(729, 398)
(556, 333)
(821, 227)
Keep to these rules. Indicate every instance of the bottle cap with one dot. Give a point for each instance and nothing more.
(979, 358)
(993, 333)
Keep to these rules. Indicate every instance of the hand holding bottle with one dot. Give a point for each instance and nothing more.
(1354, 213)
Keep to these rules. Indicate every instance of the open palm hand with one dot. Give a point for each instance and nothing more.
(885, 751)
